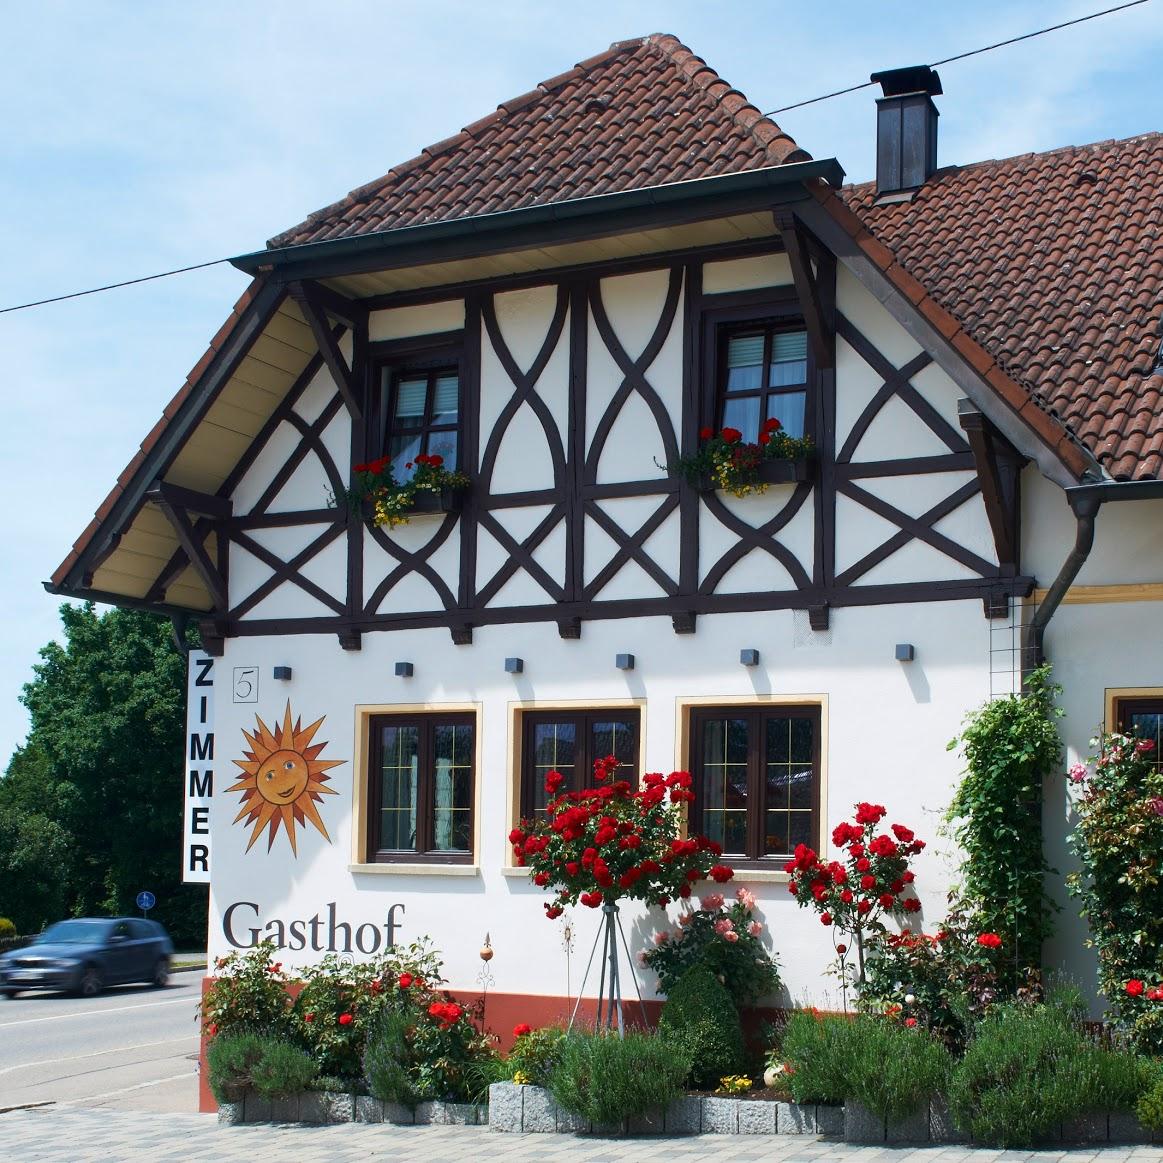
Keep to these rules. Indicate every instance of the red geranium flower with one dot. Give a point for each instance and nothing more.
(405, 980)
(706, 433)
(720, 873)
(731, 435)
(989, 940)
(1134, 987)
(521, 1030)
(345, 1019)
(772, 425)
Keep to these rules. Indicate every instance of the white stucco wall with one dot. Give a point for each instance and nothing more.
(886, 726)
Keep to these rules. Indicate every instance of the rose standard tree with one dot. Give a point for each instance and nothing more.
(854, 896)
(610, 843)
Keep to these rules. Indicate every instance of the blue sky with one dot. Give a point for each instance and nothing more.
(143, 137)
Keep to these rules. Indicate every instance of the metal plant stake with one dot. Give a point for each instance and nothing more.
(610, 982)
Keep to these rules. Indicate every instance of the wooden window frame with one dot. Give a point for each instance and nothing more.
(1124, 703)
(734, 313)
(393, 360)
(698, 715)
(583, 718)
(423, 853)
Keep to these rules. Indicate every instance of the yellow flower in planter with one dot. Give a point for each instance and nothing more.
(734, 1084)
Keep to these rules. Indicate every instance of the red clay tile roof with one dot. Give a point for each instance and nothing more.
(643, 113)
(1053, 263)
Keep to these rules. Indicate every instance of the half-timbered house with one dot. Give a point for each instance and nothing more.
(558, 299)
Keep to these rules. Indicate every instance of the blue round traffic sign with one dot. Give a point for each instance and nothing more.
(146, 901)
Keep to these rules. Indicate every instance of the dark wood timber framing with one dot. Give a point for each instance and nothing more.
(177, 504)
(573, 587)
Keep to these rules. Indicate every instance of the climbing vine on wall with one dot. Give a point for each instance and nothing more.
(1010, 744)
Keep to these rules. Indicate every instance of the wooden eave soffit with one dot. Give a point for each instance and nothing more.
(998, 466)
(799, 246)
(320, 305)
(178, 504)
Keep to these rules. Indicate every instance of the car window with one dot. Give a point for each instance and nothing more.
(73, 933)
(121, 929)
(142, 930)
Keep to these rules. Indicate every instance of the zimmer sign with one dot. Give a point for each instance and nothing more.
(198, 769)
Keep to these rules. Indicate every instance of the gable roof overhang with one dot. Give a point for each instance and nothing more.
(555, 224)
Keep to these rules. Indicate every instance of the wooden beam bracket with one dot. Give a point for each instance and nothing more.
(461, 635)
(819, 617)
(569, 628)
(819, 326)
(176, 504)
(998, 466)
(314, 305)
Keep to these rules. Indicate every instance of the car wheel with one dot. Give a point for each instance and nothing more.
(161, 973)
(91, 983)
(9, 992)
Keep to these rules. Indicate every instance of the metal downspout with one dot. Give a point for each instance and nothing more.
(1085, 501)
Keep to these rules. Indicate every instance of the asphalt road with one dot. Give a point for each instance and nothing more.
(132, 1048)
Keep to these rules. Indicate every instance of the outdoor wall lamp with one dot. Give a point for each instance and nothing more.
(404, 670)
(514, 665)
(749, 657)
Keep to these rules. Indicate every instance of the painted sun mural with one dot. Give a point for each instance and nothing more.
(283, 779)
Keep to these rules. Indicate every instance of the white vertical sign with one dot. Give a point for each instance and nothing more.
(199, 769)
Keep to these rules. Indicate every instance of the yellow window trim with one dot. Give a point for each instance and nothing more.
(360, 775)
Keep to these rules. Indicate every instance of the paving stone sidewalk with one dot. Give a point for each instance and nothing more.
(62, 1134)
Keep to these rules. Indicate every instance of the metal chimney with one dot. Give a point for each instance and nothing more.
(906, 130)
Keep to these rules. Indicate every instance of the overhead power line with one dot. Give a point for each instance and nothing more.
(114, 286)
(962, 56)
(771, 113)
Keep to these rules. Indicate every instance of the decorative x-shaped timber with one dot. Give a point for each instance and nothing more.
(897, 382)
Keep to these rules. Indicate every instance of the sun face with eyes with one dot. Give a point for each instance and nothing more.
(283, 779)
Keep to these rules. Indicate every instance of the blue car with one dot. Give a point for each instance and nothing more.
(86, 954)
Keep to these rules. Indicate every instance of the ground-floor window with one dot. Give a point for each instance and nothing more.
(1142, 716)
(420, 787)
(756, 772)
(569, 742)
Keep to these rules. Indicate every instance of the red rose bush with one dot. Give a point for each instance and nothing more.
(611, 843)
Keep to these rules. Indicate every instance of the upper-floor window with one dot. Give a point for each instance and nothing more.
(421, 408)
(763, 375)
(568, 742)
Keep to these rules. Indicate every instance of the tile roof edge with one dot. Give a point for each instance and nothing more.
(765, 132)
(168, 412)
(698, 75)
(1030, 155)
(1020, 398)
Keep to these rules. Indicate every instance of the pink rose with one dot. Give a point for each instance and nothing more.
(732, 936)
(1077, 772)
(746, 898)
(641, 957)
(712, 902)
(1157, 804)
(1144, 745)
(661, 938)
(679, 934)
(755, 928)
(724, 927)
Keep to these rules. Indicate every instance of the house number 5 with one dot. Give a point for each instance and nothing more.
(246, 684)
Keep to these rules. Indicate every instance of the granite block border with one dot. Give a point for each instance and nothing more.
(521, 1109)
(527, 1110)
(327, 1108)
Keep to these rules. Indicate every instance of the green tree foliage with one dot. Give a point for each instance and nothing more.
(1010, 745)
(91, 806)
